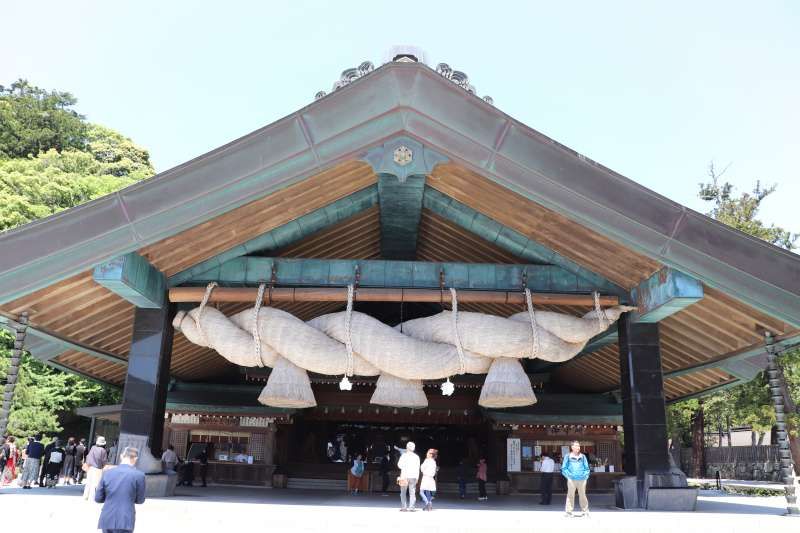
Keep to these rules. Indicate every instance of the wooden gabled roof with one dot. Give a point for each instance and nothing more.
(496, 166)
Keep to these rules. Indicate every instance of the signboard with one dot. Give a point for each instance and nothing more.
(513, 455)
(537, 451)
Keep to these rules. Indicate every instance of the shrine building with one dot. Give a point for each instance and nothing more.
(399, 185)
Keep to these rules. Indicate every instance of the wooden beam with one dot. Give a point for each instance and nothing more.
(250, 271)
(134, 279)
(665, 293)
(330, 294)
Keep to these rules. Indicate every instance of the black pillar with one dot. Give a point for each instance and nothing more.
(643, 411)
(145, 394)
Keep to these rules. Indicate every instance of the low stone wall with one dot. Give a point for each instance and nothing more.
(753, 463)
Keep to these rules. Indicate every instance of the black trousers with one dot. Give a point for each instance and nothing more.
(481, 488)
(203, 470)
(385, 481)
(547, 487)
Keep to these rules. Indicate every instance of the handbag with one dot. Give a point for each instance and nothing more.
(403, 482)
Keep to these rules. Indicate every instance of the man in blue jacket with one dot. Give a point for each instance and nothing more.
(120, 488)
(575, 468)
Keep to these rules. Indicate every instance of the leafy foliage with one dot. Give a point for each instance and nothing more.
(35, 187)
(34, 120)
(740, 211)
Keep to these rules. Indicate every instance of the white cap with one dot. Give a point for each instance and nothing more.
(101, 441)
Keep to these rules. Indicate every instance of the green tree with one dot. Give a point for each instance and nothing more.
(740, 211)
(34, 120)
(36, 187)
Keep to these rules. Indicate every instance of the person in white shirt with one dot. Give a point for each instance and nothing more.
(548, 467)
(169, 459)
(409, 473)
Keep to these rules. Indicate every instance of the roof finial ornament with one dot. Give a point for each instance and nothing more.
(460, 79)
(348, 76)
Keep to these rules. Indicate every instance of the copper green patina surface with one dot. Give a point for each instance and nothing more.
(134, 279)
(250, 271)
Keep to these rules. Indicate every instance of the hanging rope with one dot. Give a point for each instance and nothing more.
(602, 319)
(462, 361)
(256, 309)
(532, 317)
(197, 321)
(348, 317)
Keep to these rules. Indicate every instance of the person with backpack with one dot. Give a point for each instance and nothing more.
(53, 463)
(575, 467)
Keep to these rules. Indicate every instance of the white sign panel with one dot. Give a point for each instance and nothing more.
(513, 455)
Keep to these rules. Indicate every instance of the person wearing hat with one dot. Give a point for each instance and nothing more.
(96, 460)
(409, 473)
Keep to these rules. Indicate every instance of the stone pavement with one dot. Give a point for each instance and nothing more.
(232, 509)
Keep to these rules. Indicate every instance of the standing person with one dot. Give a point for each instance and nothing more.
(169, 459)
(385, 466)
(80, 456)
(462, 479)
(575, 468)
(33, 460)
(427, 488)
(68, 471)
(548, 467)
(45, 458)
(481, 475)
(8, 461)
(409, 473)
(203, 458)
(119, 490)
(53, 462)
(96, 459)
(355, 475)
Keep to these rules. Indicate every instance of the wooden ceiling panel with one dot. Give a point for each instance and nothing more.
(557, 232)
(98, 368)
(181, 251)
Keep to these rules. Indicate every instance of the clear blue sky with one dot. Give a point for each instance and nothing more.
(654, 90)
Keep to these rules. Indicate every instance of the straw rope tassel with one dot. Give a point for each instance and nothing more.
(462, 361)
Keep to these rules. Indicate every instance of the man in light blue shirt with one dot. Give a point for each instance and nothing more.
(575, 468)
